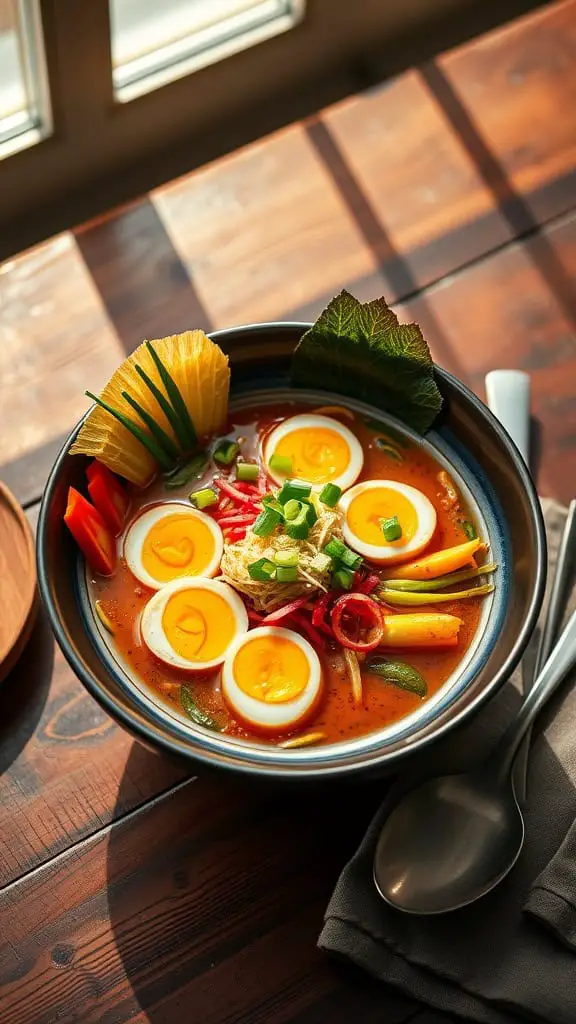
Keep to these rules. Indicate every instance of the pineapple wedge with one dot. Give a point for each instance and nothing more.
(200, 370)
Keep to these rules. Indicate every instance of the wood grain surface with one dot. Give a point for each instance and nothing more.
(130, 891)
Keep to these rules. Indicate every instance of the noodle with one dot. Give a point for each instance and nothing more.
(267, 596)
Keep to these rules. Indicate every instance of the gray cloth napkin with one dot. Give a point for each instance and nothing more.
(512, 956)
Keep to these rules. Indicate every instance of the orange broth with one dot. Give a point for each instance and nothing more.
(123, 599)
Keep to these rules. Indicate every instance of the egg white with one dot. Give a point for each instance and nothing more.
(152, 632)
(139, 529)
(397, 552)
(307, 421)
(272, 717)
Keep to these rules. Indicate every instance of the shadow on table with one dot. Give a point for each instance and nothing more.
(216, 897)
(24, 691)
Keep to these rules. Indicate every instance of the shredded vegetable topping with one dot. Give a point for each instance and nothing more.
(313, 575)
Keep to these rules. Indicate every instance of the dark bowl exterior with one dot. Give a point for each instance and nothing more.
(263, 351)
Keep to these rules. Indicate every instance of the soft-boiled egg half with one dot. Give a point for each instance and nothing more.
(272, 678)
(321, 450)
(191, 623)
(172, 540)
(366, 507)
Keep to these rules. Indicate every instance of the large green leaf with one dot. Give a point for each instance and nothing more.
(361, 350)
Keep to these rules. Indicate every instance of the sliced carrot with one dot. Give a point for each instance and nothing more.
(420, 629)
(439, 563)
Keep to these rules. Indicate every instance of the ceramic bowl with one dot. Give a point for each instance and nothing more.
(498, 486)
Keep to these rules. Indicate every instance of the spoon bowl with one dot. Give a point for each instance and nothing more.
(470, 833)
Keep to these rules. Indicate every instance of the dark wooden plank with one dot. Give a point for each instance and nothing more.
(504, 312)
(519, 87)
(61, 760)
(204, 906)
(143, 283)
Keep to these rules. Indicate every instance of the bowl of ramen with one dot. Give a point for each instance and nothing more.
(289, 549)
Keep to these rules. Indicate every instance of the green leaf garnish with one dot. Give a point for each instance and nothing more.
(167, 409)
(195, 713)
(176, 400)
(399, 674)
(155, 429)
(150, 443)
(361, 350)
(192, 470)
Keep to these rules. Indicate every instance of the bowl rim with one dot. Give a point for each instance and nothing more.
(155, 737)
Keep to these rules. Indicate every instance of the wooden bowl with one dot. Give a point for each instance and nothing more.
(18, 594)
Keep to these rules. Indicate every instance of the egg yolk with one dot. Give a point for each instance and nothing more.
(318, 454)
(271, 669)
(370, 507)
(198, 624)
(177, 545)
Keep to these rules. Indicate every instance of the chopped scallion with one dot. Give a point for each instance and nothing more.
(294, 489)
(262, 571)
(321, 563)
(280, 464)
(286, 574)
(335, 548)
(391, 528)
(292, 509)
(288, 558)
(342, 578)
(330, 495)
(298, 527)
(311, 513)
(247, 471)
(225, 452)
(204, 498)
(266, 522)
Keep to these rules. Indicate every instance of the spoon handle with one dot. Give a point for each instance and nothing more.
(508, 394)
(562, 659)
(561, 584)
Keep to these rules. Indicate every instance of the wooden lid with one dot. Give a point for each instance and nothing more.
(18, 600)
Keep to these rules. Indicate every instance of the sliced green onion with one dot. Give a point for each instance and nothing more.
(150, 443)
(225, 452)
(288, 558)
(311, 513)
(286, 573)
(266, 522)
(399, 674)
(176, 400)
(391, 528)
(350, 560)
(411, 598)
(292, 509)
(174, 421)
(441, 582)
(295, 490)
(263, 570)
(203, 498)
(335, 548)
(280, 464)
(247, 471)
(330, 495)
(194, 712)
(469, 529)
(321, 563)
(164, 440)
(193, 469)
(342, 578)
(298, 528)
(269, 501)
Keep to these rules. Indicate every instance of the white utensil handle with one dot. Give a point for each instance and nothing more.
(508, 393)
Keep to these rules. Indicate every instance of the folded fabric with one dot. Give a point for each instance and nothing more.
(511, 956)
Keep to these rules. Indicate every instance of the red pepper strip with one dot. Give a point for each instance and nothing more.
(316, 638)
(108, 495)
(237, 534)
(254, 617)
(368, 584)
(91, 533)
(357, 606)
(243, 519)
(320, 611)
(284, 611)
(246, 488)
(236, 495)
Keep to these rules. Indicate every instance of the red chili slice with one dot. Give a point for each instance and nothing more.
(284, 611)
(320, 612)
(304, 624)
(368, 584)
(357, 622)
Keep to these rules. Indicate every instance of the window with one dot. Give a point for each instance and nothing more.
(24, 110)
(154, 43)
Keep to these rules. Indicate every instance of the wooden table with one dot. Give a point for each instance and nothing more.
(132, 891)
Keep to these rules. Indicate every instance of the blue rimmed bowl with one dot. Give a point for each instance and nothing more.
(494, 479)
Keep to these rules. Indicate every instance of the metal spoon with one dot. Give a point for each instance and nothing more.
(454, 838)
